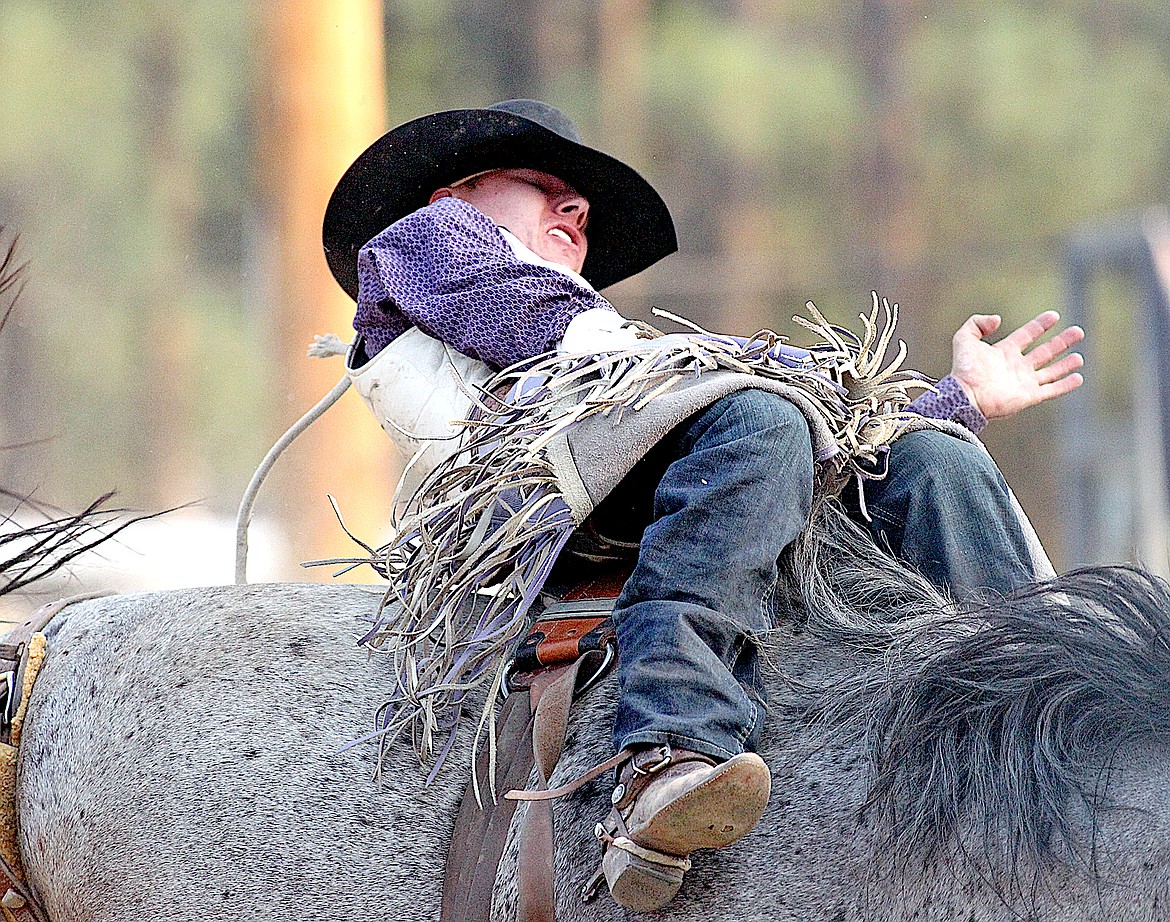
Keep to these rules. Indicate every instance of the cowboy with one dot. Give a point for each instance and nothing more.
(478, 238)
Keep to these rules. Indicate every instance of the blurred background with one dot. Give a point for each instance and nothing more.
(167, 166)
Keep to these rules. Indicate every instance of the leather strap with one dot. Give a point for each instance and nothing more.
(567, 649)
(561, 639)
(552, 693)
(14, 656)
(577, 783)
(532, 733)
(18, 903)
(477, 841)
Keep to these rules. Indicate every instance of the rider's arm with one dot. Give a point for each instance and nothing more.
(949, 401)
(988, 380)
(447, 269)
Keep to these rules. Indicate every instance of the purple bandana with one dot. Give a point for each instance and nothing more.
(447, 270)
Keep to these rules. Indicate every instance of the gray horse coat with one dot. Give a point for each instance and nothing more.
(181, 761)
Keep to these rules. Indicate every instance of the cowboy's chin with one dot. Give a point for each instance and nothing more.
(562, 242)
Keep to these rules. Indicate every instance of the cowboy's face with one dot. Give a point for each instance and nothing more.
(544, 213)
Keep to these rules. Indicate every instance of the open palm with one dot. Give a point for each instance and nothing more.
(1005, 377)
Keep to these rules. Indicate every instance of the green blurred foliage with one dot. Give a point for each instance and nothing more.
(125, 165)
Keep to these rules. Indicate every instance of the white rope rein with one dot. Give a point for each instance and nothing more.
(323, 347)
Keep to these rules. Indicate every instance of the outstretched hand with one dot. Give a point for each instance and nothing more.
(1003, 378)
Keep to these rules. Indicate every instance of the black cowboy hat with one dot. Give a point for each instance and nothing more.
(629, 225)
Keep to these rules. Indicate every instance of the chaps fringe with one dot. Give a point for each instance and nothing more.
(479, 538)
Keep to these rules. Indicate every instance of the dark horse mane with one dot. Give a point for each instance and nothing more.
(999, 716)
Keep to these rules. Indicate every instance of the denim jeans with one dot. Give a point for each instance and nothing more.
(734, 487)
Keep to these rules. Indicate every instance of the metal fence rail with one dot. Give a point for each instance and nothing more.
(1116, 459)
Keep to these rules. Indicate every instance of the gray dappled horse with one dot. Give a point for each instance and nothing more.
(182, 760)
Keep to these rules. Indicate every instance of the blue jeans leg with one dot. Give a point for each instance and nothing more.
(945, 509)
(737, 492)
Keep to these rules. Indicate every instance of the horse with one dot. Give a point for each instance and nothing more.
(186, 756)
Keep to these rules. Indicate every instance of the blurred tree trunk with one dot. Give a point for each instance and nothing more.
(889, 226)
(623, 37)
(324, 102)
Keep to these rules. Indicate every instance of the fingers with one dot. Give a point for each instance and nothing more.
(1032, 330)
(979, 325)
(1061, 369)
(1058, 345)
(1061, 387)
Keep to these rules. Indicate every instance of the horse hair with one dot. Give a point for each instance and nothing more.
(998, 716)
(11, 277)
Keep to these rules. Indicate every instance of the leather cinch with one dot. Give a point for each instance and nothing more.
(569, 648)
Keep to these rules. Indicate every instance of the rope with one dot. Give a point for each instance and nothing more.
(323, 347)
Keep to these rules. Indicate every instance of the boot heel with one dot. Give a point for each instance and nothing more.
(639, 883)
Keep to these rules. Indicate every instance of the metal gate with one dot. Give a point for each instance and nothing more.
(1116, 458)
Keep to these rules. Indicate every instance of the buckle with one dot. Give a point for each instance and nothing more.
(608, 655)
(665, 757)
(8, 699)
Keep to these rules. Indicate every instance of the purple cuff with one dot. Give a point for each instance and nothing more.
(949, 401)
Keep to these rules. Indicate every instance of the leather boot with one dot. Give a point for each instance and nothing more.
(668, 803)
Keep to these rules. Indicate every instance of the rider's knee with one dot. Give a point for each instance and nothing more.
(944, 463)
(754, 411)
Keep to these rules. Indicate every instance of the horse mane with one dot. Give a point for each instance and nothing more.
(999, 716)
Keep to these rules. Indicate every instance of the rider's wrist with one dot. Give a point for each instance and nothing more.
(966, 409)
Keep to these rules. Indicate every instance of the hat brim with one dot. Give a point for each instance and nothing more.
(630, 226)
